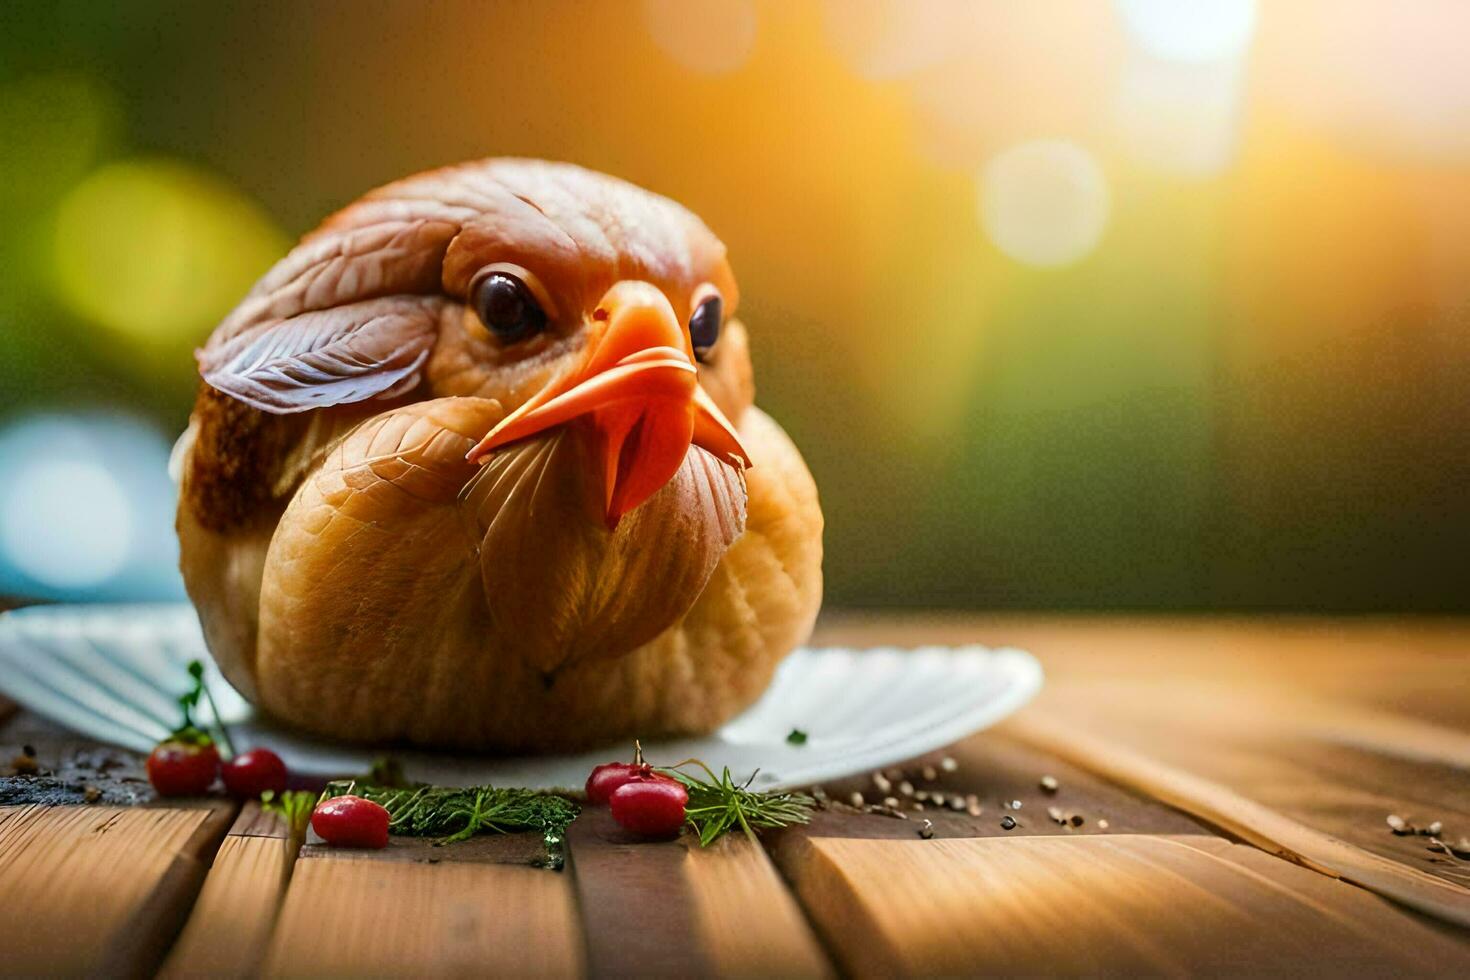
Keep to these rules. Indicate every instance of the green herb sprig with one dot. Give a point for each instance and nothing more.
(454, 814)
(717, 804)
(294, 806)
(191, 731)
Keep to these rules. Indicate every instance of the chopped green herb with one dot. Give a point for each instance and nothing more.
(453, 814)
(797, 737)
(294, 806)
(717, 805)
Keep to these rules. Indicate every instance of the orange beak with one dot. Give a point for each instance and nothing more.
(638, 387)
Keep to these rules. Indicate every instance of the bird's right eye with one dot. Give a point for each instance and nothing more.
(507, 307)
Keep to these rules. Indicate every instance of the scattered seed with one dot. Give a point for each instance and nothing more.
(1055, 812)
(1397, 825)
(906, 788)
(1007, 822)
(930, 774)
(948, 764)
(856, 798)
(921, 795)
(1076, 820)
(1015, 804)
(1102, 825)
(886, 811)
(919, 807)
(956, 803)
(894, 775)
(881, 781)
(890, 802)
(1049, 784)
(1433, 830)
(927, 831)
(937, 799)
(972, 805)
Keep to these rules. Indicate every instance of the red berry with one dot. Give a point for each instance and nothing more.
(351, 821)
(610, 775)
(251, 773)
(650, 807)
(182, 768)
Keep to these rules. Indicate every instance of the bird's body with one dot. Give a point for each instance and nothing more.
(477, 465)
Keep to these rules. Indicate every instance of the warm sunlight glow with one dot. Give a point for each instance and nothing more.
(1044, 203)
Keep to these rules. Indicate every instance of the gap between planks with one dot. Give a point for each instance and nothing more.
(675, 909)
(233, 918)
(1245, 818)
(100, 889)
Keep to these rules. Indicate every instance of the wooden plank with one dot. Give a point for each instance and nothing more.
(998, 771)
(232, 921)
(1241, 815)
(749, 923)
(1325, 727)
(101, 889)
(415, 910)
(1118, 905)
(674, 909)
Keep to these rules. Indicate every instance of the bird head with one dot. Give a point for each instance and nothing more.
(599, 317)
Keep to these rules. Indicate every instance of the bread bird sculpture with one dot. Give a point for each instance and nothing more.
(477, 465)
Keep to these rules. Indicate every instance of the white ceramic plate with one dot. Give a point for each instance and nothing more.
(113, 672)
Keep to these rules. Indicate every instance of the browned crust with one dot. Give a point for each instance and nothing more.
(237, 453)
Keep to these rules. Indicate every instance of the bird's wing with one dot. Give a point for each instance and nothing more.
(350, 314)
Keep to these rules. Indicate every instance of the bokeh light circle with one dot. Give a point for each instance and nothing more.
(1045, 202)
(65, 523)
(884, 39)
(159, 251)
(1197, 30)
(713, 37)
(86, 509)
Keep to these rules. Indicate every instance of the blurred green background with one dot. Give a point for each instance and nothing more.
(1070, 305)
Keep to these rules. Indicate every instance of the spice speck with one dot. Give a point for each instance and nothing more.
(1007, 822)
(927, 831)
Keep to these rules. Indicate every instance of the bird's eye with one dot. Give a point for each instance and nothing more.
(704, 325)
(508, 308)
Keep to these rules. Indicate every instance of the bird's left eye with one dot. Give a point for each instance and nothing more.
(704, 325)
(507, 307)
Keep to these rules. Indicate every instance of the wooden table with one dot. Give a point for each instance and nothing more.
(1230, 782)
